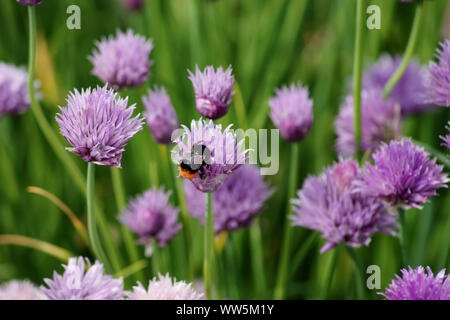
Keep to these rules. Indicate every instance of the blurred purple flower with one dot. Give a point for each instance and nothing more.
(380, 121)
(20, 290)
(236, 203)
(81, 283)
(98, 124)
(225, 153)
(409, 91)
(438, 83)
(160, 115)
(291, 112)
(416, 284)
(14, 98)
(446, 139)
(150, 215)
(133, 5)
(213, 91)
(122, 61)
(29, 2)
(329, 204)
(165, 289)
(402, 174)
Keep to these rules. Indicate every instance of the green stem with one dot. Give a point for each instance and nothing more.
(408, 51)
(282, 277)
(132, 269)
(403, 237)
(232, 267)
(360, 281)
(119, 194)
(186, 224)
(156, 258)
(258, 258)
(166, 159)
(7, 173)
(240, 107)
(444, 261)
(92, 224)
(357, 76)
(304, 250)
(331, 269)
(53, 140)
(208, 246)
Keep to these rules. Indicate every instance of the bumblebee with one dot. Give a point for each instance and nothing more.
(196, 161)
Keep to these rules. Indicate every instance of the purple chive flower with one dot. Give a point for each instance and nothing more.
(160, 115)
(83, 282)
(222, 153)
(133, 5)
(151, 216)
(446, 139)
(98, 124)
(419, 284)
(165, 289)
(20, 290)
(14, 98)
(29, 2)
(380, 121)
(409, 91)
(438, 82)
(213, 91)
(122, 61)
(329, 204)
(291, 112)
(402, 174)
(236, 203)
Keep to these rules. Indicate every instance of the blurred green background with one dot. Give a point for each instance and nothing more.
(269, 43)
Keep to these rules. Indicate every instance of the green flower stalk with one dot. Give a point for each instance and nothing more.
(357, 76)
(412, 41)
(282, 277)
(119, 194)
(403, 237)
(208, 246)
(359, 271)
(92, 223)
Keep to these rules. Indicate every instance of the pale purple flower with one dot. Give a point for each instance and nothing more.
(409, 91)
(291, 112)
(14, 98)
(329, 204)
(160, 115)
(165, 288)
(29, 2)
(402, 174)
(20, 290)
(83, 281)
(213, 91)
(380, 121)
(133, 5)
(122, 61)
(98, 124)
(151, 216)
(438, 83)
(236, 203)
(419, 284)
(221, 156)
(446, 138)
